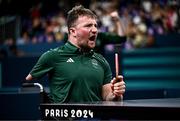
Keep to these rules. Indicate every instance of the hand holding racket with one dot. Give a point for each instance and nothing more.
(118, 82)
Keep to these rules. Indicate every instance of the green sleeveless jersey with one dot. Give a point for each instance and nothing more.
(74, 76)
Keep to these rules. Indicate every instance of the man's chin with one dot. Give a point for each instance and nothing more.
(92, 46)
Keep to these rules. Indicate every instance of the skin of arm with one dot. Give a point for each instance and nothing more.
(29, 77)
(118, 24)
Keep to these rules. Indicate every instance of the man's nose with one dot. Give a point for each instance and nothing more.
(94, 29)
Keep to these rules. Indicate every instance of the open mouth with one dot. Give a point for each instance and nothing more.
(92, 38)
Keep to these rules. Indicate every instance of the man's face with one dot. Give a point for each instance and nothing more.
(86, 32)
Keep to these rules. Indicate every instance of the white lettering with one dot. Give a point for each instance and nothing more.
(52, 112)
(79, 113)
(46, 112)
(57, 113)
(65, 113)
(73, 113)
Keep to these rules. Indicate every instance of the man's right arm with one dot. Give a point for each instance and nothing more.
(29, 77)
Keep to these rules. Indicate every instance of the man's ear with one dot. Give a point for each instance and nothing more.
(72, 31)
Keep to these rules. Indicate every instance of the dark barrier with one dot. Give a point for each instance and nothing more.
(19, 106)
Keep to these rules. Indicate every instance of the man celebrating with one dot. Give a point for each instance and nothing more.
(76, 72)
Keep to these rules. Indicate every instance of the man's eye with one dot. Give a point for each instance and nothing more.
(89, 25)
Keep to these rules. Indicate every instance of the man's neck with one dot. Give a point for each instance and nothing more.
(74, 42)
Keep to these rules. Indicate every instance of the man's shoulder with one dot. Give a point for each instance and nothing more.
(51, 53)
(99, 57)
(55, 50)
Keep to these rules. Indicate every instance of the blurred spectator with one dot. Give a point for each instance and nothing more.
(35, 10)
(157, 15)
(131, 33)
(60, 29)
(36, 30)
(118, 27)
(147, 6)
(171, 18)
(23, 39)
